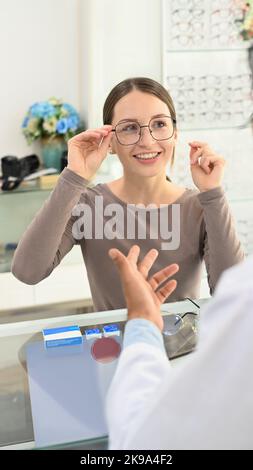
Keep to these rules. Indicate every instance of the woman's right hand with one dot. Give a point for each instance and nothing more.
(87, 150)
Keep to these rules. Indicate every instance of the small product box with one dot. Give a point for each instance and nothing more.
(111, 330)
(93, 333)
(63, 336)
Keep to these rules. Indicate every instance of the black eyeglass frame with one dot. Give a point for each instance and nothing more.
(148, 125)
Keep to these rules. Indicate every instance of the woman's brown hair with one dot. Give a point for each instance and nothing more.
(146, 85)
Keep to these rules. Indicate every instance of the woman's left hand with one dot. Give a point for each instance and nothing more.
(207, 167)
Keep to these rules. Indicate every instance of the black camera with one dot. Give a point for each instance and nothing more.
(17, 169)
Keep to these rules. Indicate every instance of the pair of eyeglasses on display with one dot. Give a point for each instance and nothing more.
(209, 80)
(205, 82)
(224, 15)
(221, 117)
(187, 27)
(225, 39)
(184, 40)
(178, 81)
(186, 4)
(173, 322)
(129, 132)
(187, 117)
(189, 14)
(181, 106)
(180, 331)
(237, 109)
(206, 93)
(184, 95)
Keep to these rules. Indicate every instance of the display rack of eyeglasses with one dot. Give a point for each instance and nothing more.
(203, 24)
(211, 101)
(205, 69)
(217, 91)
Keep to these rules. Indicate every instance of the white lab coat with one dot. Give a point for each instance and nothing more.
(205, 404)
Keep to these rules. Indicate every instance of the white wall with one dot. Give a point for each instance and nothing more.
(124, 38)
(40, 58)
(73, 49)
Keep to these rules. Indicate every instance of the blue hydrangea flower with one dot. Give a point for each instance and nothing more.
(62, 126)
(50, 118)
(73, 122)
(69, 108)
(42, 110)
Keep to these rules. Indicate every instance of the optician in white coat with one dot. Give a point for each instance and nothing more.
(206, 404)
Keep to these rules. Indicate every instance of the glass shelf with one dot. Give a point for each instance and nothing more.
(26, 189)
(17, 210)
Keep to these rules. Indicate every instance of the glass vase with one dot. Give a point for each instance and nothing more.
(52, 152)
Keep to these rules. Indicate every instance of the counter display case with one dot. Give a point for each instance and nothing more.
(17, 420)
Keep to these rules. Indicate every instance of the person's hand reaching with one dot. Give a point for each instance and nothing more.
(144, 296)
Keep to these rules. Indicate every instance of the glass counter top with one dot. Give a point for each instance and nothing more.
(26, 189)
(16, 424)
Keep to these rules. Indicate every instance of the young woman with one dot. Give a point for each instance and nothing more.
(140, 127)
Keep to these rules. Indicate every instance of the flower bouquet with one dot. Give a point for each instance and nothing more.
(53, 122)
(51, 118)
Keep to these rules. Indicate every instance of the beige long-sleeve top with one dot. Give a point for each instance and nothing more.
(207, 233)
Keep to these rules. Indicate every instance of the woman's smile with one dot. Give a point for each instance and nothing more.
(147, 158)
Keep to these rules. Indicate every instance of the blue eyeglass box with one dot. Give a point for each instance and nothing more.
(62, 336)
(93, 333)
(111, 330)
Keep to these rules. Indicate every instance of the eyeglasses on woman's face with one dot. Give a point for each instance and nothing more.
(129, 132)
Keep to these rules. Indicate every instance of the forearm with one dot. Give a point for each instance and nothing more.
(141, 369)
(44, 244)
(222, 246)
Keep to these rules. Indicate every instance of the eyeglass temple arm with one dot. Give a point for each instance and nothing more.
(192, 301)
(184, 314)
(188, 313)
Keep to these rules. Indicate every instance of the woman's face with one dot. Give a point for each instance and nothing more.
(148, 157)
